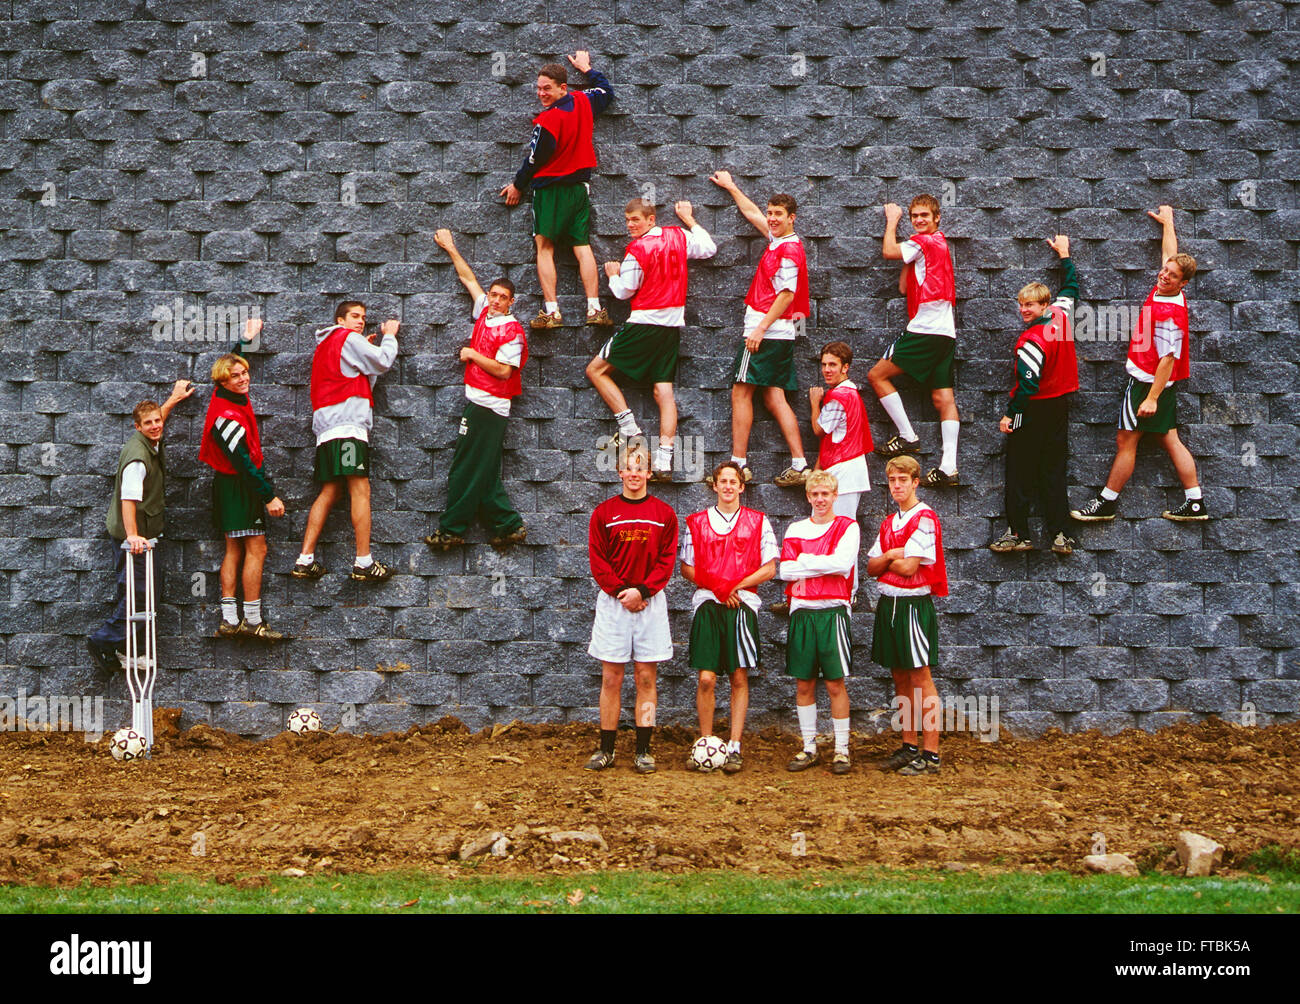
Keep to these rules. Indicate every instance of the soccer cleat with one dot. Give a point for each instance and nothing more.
(1063, 544)
(262, 632)
(225, 630)
(935, 478)
(896, 446)
(105, 657)
(790, 478)
(900, 758)
(919, 765)
(1010, 541)
(314, 570)
(600, 318)
(803, 760)
(443, 541)
(374, 572)
(1096, 510)
(644, 763)
(515, 536)
(840, 763)
(545, 320)
(659, 476)
(734, 763)
(781, 609)
(599, 761)
(1191, 509)
(749, 476)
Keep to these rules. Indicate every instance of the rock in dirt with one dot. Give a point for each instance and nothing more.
(580, 836)
(479, 844)
(1198, 855)
(293, 873)
(1111, 864)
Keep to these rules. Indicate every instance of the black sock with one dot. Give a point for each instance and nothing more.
(911, 748)
(932, 757)
(643, 733)
(607, 737)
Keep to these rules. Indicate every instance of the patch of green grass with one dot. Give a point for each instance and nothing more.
(871, 890)
(1273, 859)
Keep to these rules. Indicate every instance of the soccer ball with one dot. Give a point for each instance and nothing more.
(127, 745)
(709, 753)
(304, 720)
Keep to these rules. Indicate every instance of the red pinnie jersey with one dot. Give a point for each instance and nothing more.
(328, 384)
(761, 295)
(939, 283)
(487, 340)
(1142, 349)
(857, 439)
(1055, 339)
(935, 576)
(572, 130)
(663, 266)
(820, 587)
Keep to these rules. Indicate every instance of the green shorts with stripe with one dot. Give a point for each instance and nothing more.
(236, 508)
(342, 458)
(1166, 416)
(771, 366)
(927, 359)
(723, 639)
(563, 213)
(906, 633)
(819, 643)
(644, 352)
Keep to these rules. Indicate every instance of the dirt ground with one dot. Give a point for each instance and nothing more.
(441, 799)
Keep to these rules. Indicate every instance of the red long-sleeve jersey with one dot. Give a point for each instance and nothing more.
(632, 542)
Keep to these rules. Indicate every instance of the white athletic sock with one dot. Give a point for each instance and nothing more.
(552, 307)
(230, 610)
(306, 559)
(664, 458)
(364, 561)
(893, 405)
(253, 612)
(733, 745)
(799, 463)
(1193, 494)
(949, 429)
(808, 726)
(1109, 495)
(627, 423)
(593, 303)
(841, 734)
(738, 460)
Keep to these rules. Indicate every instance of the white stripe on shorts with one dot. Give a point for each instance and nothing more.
(842, 641)
(920, 643)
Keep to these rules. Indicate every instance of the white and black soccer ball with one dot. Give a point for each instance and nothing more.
(709, 753)
(304, 720)
(127, 745)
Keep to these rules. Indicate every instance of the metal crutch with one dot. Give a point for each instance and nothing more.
(141, 670)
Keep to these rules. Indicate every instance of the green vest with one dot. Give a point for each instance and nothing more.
(149, 510)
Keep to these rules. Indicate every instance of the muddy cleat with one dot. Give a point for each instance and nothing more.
(104, 657)
(900, 758)
(896, 446)
(840, 763)
(373, 572)
(225, 630)
(1191, 509)
(644, 763)
(515, 536)
(803, 760)
(781, 609)
(1063, 544)
(790, 478)
(661, 477)
(749, 476)
(600, 318)
(919, 764)
(1096, 510)
(735, 763)
(1011, 542)
(545, 320)
(262, 632)
(599, 761)
(314, 570)
(442, 541)
(935, 478)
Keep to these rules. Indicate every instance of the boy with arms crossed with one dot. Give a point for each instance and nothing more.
(907, 560)
(819, 558)
(1158, 357)
(727, 550)
(776, 301)
(1037, 419)
(343, 373)
(242, 492)
(926, 350)
(632, 545)
(493, 359)
(653, 274)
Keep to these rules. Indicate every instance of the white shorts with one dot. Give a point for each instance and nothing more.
(846, 504)
(620, 636)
